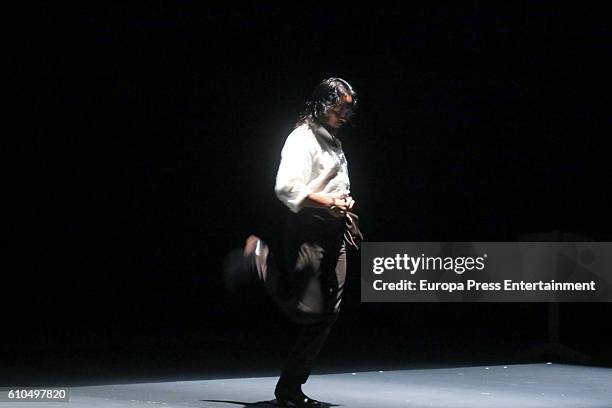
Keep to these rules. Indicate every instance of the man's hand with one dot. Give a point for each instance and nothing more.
(350, 202)
(340, 206)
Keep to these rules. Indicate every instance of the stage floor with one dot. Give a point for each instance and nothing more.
(512, 386)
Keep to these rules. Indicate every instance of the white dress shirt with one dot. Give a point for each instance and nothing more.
(312, 161)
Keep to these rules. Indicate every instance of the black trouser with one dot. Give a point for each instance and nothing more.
(309, 286)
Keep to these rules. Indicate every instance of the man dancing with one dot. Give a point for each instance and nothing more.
(313, 182)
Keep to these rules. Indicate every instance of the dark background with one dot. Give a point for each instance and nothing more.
(149, 140)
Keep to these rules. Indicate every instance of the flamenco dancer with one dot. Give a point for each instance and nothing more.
(313, 182)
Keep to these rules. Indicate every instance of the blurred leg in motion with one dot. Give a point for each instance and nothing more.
(308, 291)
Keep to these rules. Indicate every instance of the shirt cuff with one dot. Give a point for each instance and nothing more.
(294, 199)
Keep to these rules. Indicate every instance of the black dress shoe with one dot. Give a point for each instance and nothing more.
(294, 397)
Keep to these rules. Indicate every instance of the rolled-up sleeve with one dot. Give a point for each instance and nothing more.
(295, 170)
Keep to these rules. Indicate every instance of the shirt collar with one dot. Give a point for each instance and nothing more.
(326, 135)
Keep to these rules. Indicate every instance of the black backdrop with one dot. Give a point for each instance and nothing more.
(152, 137)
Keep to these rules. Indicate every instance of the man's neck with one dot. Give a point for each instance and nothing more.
(333, 132)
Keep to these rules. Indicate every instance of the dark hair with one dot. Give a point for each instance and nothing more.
(325, 97)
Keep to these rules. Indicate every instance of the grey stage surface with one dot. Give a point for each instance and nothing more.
(528, 385)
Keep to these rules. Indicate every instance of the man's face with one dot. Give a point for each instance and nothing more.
(341, 113)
